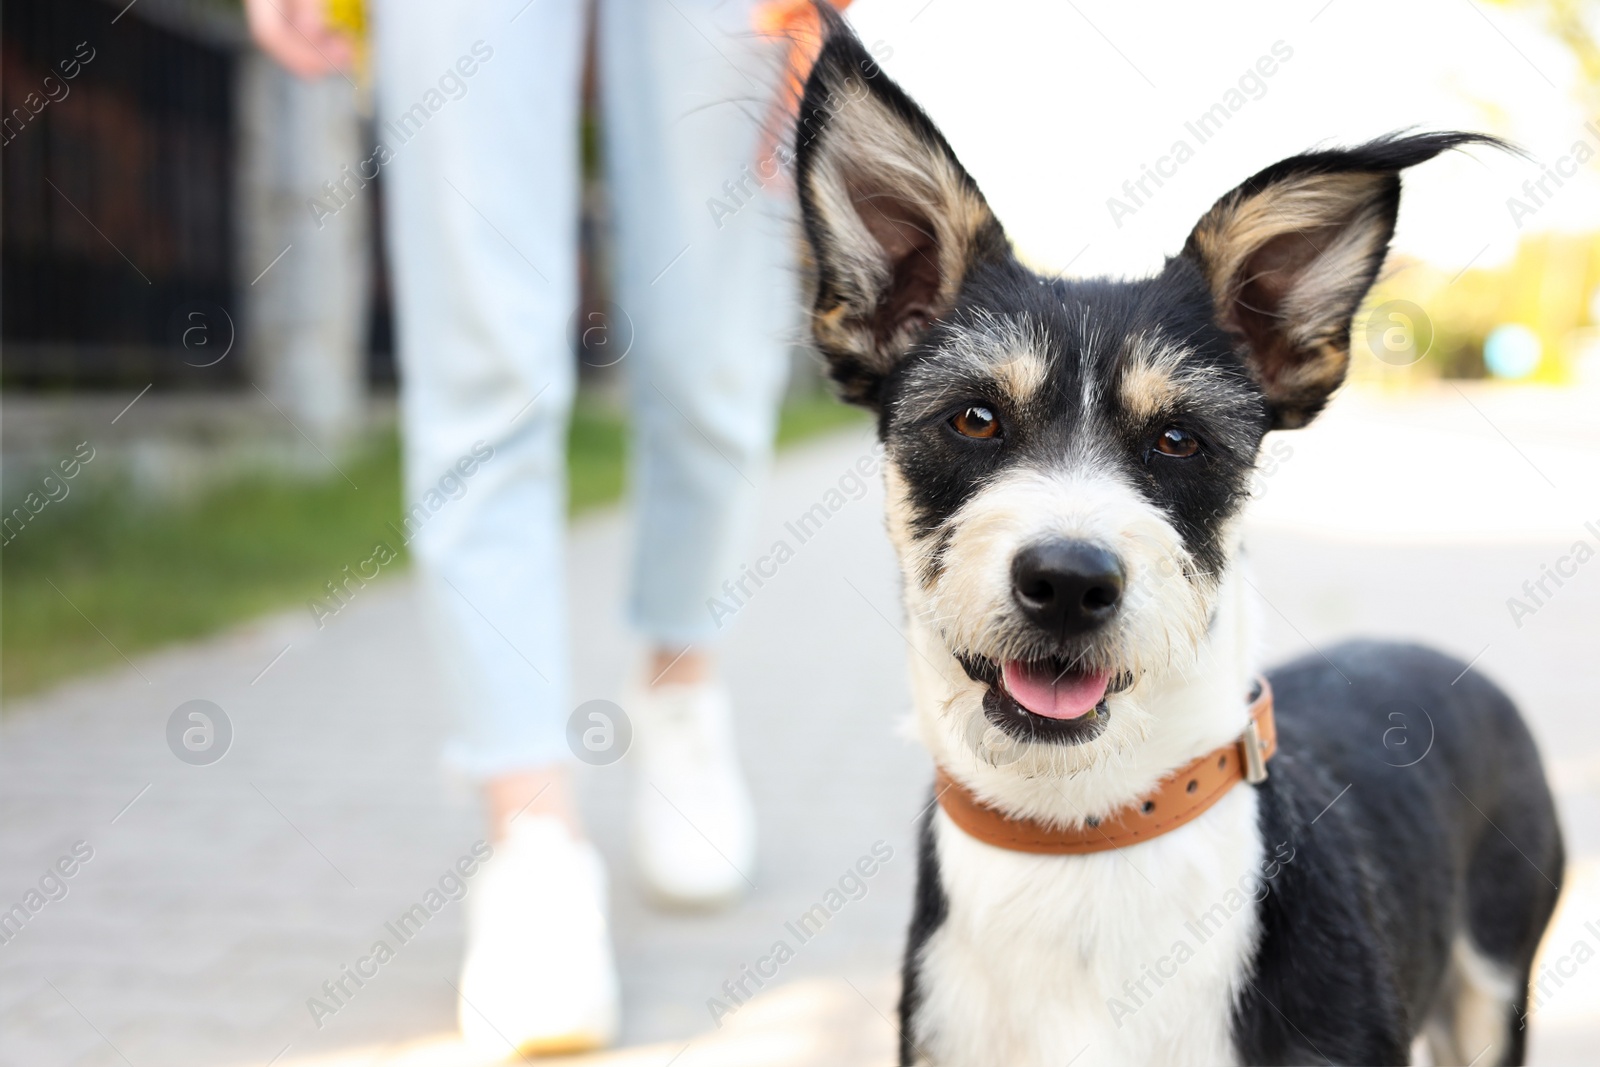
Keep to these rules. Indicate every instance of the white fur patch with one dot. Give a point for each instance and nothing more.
(1127, 957)
(1162, 615)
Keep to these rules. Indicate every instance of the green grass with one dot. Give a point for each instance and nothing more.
(135, 575)
(815, 415)
(597, 453)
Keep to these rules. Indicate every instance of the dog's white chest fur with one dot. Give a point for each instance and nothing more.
(1121, 957)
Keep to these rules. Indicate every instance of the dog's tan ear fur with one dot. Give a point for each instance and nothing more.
(1290, 254)
(893, 222)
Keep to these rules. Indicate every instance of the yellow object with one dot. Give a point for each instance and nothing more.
(350, 18)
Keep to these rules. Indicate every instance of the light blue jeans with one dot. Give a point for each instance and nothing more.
(478, 106)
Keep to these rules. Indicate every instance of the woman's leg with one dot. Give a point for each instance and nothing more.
(478, 110)
(704, 279)
(706, 276)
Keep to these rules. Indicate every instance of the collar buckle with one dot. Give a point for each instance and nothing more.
(1255, 762)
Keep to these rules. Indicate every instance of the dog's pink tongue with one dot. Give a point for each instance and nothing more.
(1045, 691)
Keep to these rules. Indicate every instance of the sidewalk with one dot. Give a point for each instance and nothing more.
(219, 898)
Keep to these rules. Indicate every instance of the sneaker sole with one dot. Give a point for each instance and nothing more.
(571, 1044)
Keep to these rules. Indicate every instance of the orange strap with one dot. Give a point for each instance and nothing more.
(798, 22)
(1180, 798)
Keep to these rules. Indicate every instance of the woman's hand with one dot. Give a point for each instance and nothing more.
(297, 34)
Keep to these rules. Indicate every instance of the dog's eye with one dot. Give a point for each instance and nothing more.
(977, 421)
(1175, 442)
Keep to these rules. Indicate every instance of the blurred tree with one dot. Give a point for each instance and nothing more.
(1546, 286)
(1552, 281)
(1572, 22)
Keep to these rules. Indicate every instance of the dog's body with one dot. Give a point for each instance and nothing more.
(1251, 935)
(1067, 463)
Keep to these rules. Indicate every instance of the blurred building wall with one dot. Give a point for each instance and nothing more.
(154, 167)
(118, 157)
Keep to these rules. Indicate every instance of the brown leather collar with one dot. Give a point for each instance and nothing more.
(1180, 797)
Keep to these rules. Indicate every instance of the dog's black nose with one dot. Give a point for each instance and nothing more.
(1066, 587)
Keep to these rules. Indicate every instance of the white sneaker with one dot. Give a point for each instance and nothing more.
(539, 977)
(694, 825)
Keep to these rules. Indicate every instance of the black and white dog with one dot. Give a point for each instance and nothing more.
(1067, 464)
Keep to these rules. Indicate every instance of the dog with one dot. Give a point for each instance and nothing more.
(1138, 852)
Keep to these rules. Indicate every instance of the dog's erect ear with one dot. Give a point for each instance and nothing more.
(893, 222)
(1290, 254)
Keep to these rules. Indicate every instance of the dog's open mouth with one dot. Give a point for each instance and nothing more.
(1050, 700)
(1044, 687)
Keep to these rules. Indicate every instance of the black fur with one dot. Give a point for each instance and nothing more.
(1357, 930)
(927, 915)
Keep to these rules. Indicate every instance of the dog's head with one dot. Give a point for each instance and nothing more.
(1067, 460)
